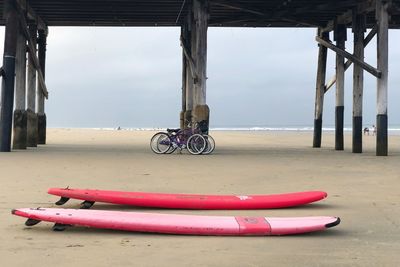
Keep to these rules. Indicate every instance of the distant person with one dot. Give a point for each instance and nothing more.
(366, 131)
(373, 130)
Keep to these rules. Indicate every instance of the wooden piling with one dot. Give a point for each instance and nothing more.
(32, 118)
(182, 114)
(340, 36)
(7, 93)
(359, 27)
(199, 52)
(382, 19)
(184, 77)
(20, 119)
(320, 89)
(42, 121)
(190, 71)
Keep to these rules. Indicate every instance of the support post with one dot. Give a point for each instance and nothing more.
(20, 120)
(382, 18)
(7, 93)
(32, 119)
(320, 89)
(189, 72)
(199, 51)
(340, 36)
(184, 77)
(359, 27)
(40, 96)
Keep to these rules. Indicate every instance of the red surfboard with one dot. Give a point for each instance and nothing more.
(187, 201)
(176, 224)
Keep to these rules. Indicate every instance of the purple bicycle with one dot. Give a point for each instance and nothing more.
(191, 139)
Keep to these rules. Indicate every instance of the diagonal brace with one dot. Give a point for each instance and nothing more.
(377, 73)
(348, 63)
(192, 67)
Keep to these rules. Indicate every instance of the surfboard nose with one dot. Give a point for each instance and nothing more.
(333, 224)
(299, 225)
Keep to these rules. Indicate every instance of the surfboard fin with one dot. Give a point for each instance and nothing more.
(62, 201)
(58, 227)
(86, 204)
(32, 222)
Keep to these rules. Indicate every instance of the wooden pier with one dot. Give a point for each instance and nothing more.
(27, 23)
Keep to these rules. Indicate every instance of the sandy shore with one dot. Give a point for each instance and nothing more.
(363, 190)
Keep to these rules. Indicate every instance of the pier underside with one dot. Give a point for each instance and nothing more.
(232, 13)
(27, 25)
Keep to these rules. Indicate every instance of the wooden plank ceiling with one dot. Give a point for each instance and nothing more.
(228, 13)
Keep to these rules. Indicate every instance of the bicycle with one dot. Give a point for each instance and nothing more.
(191, 139)
(168, 142)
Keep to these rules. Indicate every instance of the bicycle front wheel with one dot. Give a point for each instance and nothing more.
(160, 143)
(196, 144)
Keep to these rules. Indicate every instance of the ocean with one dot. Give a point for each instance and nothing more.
(393, 129)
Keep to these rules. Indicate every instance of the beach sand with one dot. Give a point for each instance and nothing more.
(363, 190)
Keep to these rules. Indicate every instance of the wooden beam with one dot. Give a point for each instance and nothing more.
(325, 6)
(301, 21)
(370, 35)
(344, 18)
(349, 56)
(262, 16)
(348, 63)
(236, 6)
(189, 58)
(382, 18)
(32, 54)
(31, 14)
(266, 20)
(347, 17)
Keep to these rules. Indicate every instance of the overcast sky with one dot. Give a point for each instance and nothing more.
(131, 77)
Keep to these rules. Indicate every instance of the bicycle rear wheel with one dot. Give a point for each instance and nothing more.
(160, 143)
(196, 144)
(210, 145)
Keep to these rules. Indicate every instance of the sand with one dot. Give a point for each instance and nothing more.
(363, 190)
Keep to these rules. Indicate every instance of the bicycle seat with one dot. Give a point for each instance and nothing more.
(173, 130)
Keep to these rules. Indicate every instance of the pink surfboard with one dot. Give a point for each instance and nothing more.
(177, 224)
(188, 201)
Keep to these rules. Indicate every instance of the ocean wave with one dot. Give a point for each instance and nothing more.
(271, 129)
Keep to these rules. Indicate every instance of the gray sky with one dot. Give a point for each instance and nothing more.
(131, 77)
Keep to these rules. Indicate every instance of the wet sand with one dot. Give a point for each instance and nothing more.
(363, 190)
